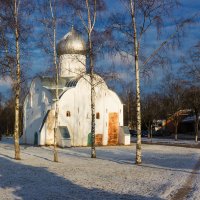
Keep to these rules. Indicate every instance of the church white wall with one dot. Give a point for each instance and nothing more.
(72, 65)
(77, 101)
(83, 118)
(35, 108)
(101, 108)
(67, 103)
(47, 132)
(100, 89)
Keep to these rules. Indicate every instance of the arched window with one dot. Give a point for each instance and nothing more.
(68, 114)
(31, 99)
(97, 115)
(43, 96)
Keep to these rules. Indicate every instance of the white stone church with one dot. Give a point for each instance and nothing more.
(74, 118)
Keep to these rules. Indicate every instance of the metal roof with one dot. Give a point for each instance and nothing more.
(72, 82)
(71, 43)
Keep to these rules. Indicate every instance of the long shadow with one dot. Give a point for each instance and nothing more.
(28, 183)
(157, 160)
(6, 156)
(38, 156)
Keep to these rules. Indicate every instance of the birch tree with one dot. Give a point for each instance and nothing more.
(15, 31)
(53, 13)
(10, 58)
(89, 26)
(17, 81)
(137, 79)
(53, 16)
(49, 20)
(89, 29)
(138, 19)
(87, 12)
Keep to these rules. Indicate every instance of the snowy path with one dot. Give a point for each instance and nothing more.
(185, 191)
(166, 173)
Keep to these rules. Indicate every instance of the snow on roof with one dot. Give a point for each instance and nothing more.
(50, 82)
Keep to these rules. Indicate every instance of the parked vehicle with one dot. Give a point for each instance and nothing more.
(133, 133)
(144, 133)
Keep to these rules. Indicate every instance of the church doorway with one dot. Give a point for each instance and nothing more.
(36, 139)
(113, 128)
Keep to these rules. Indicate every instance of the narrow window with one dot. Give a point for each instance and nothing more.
(68, 114)
(98, 115)
(43, 96)
(31, 99)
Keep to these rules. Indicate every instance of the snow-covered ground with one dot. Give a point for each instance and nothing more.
(169, 141)
(167, 172)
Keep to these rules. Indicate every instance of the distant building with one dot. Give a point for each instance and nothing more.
(74, 120)
(187, 125)
(158, 124)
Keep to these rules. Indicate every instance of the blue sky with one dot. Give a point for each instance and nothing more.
(39, 60)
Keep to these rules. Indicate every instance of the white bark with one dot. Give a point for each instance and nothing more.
(137, 78)
(91, 63)
(57, 97)
(17, 84)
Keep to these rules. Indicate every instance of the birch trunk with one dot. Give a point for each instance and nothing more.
(91, 65)
(56, 110)
(57, 98)
(93, 150)
(17, 85)
(137, 78)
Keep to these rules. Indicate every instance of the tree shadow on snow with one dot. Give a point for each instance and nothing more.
(158, 160)
(28, 182)
(171, 162)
